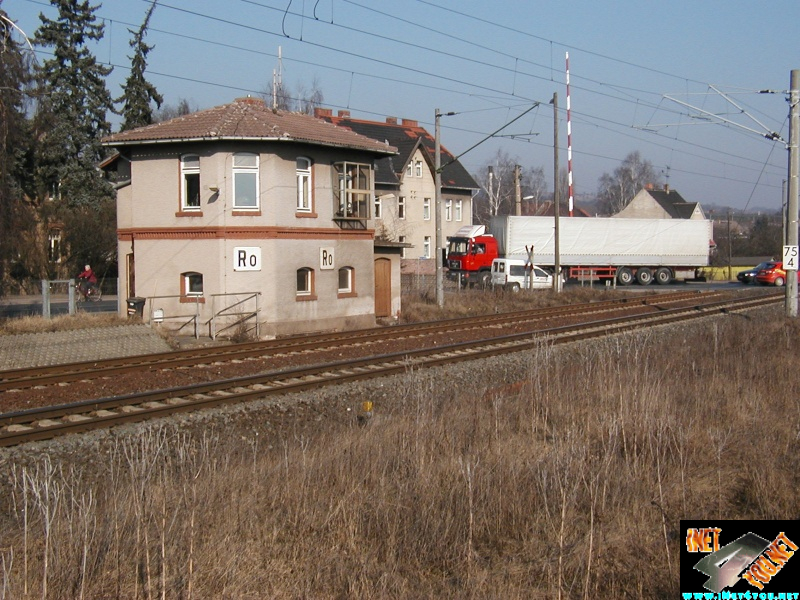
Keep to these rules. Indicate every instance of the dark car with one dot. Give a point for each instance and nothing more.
(772, 274)
(749, 276)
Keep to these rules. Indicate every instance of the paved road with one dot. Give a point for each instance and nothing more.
(22, 306)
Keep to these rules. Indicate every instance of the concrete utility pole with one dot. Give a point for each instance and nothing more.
(556, 195)
(792, 201)
(517, 191)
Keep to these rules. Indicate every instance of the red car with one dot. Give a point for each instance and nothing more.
(772, 274)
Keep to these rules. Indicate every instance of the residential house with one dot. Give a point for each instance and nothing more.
(405, 191)
(650, 203)
(241, 208)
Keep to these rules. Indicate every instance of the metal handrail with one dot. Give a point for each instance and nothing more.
(194, 319)
(244, 316)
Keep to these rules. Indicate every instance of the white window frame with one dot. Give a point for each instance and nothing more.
(426, 246)
(308, 282)
(401, 208)
(239, 170)
(410, 169)
(426, 209)
(304, 195)
(190, 169)
(402, 240)
(54, 246)
(459, 210)
(448, 210)
(418, 168)
(348, 273)
(188, 283)
(378, 208)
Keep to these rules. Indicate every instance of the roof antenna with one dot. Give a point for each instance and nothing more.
(277, 80)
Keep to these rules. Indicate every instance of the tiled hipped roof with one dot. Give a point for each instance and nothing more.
(248, 119)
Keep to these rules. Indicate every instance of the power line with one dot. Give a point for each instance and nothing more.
(490, 92)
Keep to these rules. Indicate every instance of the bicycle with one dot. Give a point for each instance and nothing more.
(88, 292)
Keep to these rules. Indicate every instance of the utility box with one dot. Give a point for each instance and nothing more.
(136, 307)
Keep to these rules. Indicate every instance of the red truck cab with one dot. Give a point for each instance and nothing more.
(470, 253)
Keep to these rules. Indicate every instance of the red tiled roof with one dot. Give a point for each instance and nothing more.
(248, 119)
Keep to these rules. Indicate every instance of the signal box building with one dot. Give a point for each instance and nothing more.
(243, 213)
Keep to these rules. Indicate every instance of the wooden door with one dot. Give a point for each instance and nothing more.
(383, 287)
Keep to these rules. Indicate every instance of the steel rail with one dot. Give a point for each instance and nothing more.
(49, 422)
(70, 372)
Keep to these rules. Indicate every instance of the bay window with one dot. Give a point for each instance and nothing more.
(352, 190)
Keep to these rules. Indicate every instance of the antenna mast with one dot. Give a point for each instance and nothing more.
(277, 79)
(569, 143)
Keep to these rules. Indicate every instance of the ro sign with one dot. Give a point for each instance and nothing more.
(326, 261)
(247, 259)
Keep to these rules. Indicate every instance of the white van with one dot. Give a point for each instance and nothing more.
(515, 274)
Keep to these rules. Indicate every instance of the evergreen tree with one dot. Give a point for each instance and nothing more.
(137, 91)
(71, 119)
(15, 213)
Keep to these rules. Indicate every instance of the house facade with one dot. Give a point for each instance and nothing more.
(405, 190)
(650, 203)
(240, 209)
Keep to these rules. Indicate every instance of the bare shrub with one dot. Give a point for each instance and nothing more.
(60, 323)
(568, 480)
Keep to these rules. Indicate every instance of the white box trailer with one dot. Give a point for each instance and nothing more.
(608, 247)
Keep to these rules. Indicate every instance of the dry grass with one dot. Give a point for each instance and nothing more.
(475, 301)
(566, 482)
(61, 323)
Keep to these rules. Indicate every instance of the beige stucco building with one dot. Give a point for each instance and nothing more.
(405, 187)
(241, 209)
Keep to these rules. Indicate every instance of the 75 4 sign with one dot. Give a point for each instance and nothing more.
(790, 258)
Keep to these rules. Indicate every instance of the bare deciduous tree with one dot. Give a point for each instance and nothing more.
(617, 189)
(498, 188)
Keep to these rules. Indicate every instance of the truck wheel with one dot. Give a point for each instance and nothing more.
(663, 275)
(644, 275)
(624, 276)
(514, 287)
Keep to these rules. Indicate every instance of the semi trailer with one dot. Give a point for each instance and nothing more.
(602, 248)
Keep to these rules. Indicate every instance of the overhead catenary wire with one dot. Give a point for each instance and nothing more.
(616, 92)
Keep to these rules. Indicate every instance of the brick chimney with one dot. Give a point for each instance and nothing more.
(666, 187)
(344, 114)
(323, 112)
(410, 123)
(391, 120)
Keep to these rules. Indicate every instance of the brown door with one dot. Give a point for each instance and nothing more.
(383, 287)
(131, 275)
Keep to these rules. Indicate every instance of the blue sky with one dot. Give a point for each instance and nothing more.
(634, 68)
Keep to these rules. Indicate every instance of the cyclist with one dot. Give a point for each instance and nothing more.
(87, 281)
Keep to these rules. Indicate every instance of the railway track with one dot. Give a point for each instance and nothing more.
(82, 371)
(45, 423)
